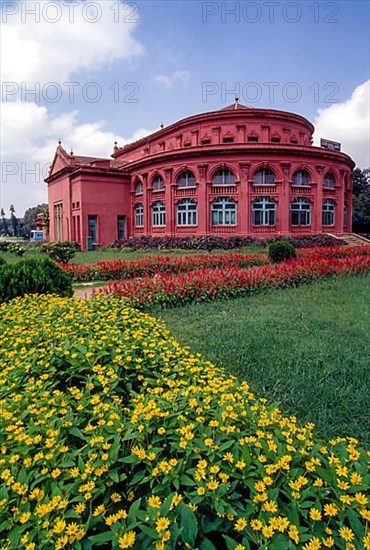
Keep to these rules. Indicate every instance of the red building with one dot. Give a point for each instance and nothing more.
(235, 171)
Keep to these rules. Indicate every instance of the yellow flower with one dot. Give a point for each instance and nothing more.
(315, 514)
(355, 478)
(212, 485)
(240, 524)
(328, 542)
(80, 507)
(293, 533)
(116, 498)
(60, 525)
(127, 540)
(269, 506)
(268, 531)
(330, 510)
(25, 517)
(201, 491)
(361, 498)
(154, 501)
(256, 524)
(346, 534)
(313, 544)
(240, 464)
(228, 457)
(162, 524)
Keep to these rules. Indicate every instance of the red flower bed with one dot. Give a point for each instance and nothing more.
(151, 265)
(210, 284)
(334, 251)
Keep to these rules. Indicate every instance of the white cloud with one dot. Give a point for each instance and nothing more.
(41, 51)
(36, 51)
(171, 80)
(349, 123)
(27, 153)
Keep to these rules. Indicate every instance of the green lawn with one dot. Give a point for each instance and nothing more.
(308, 349)
(104, 254)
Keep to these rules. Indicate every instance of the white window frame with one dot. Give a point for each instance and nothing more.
(329, 177)
(302, 208)
(139, 215)
(158, 214)
(300, 176)
(222, 213)
(187, 176)
(187, 212)
(328, 212)
(265, 174)
(220, 177)
(158, 183)
(262, 207)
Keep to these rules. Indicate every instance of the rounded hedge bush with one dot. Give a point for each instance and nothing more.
(281, 250)
(114, 436)
(33, 276)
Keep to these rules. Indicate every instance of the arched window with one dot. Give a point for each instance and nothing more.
(264, 211)
(223, 177)
(158, 214)
(328, 212)
(186, 212)
(138, 187)
(186, 179)
(265, 176)
(300, 212)
(329, 180)
(158, 184)
(301, 177)
(139, 215)
(223, 212)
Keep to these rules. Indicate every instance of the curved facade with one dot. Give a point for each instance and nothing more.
(236, 171)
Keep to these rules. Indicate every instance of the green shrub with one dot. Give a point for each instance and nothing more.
(281, 250)
(2, 261)
(33, 277)
(62, 252)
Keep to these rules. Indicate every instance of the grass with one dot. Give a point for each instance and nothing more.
(105, 254)
(306, 349)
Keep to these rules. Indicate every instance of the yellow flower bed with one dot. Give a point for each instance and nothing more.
(112, 435)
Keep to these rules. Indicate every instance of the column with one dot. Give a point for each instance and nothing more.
(284, 201)
(244, 206)
(203, 206)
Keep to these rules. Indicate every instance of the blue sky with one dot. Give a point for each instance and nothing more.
(174, 59)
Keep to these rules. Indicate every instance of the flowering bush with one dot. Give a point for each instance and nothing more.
(334, 252)
(151, 265)
(60, 252)
(113, 435)
(210, 284)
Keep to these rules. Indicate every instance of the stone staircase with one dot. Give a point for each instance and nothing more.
(352, 239)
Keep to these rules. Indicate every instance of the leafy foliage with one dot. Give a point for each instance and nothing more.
(212, 242)
(280, 251)
(33, 276)
(361, 202)
(60, 252)
(115, 436)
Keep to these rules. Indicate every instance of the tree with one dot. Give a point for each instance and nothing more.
(13, 220)
(29, 219)
(361, 202)
(5, 229)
